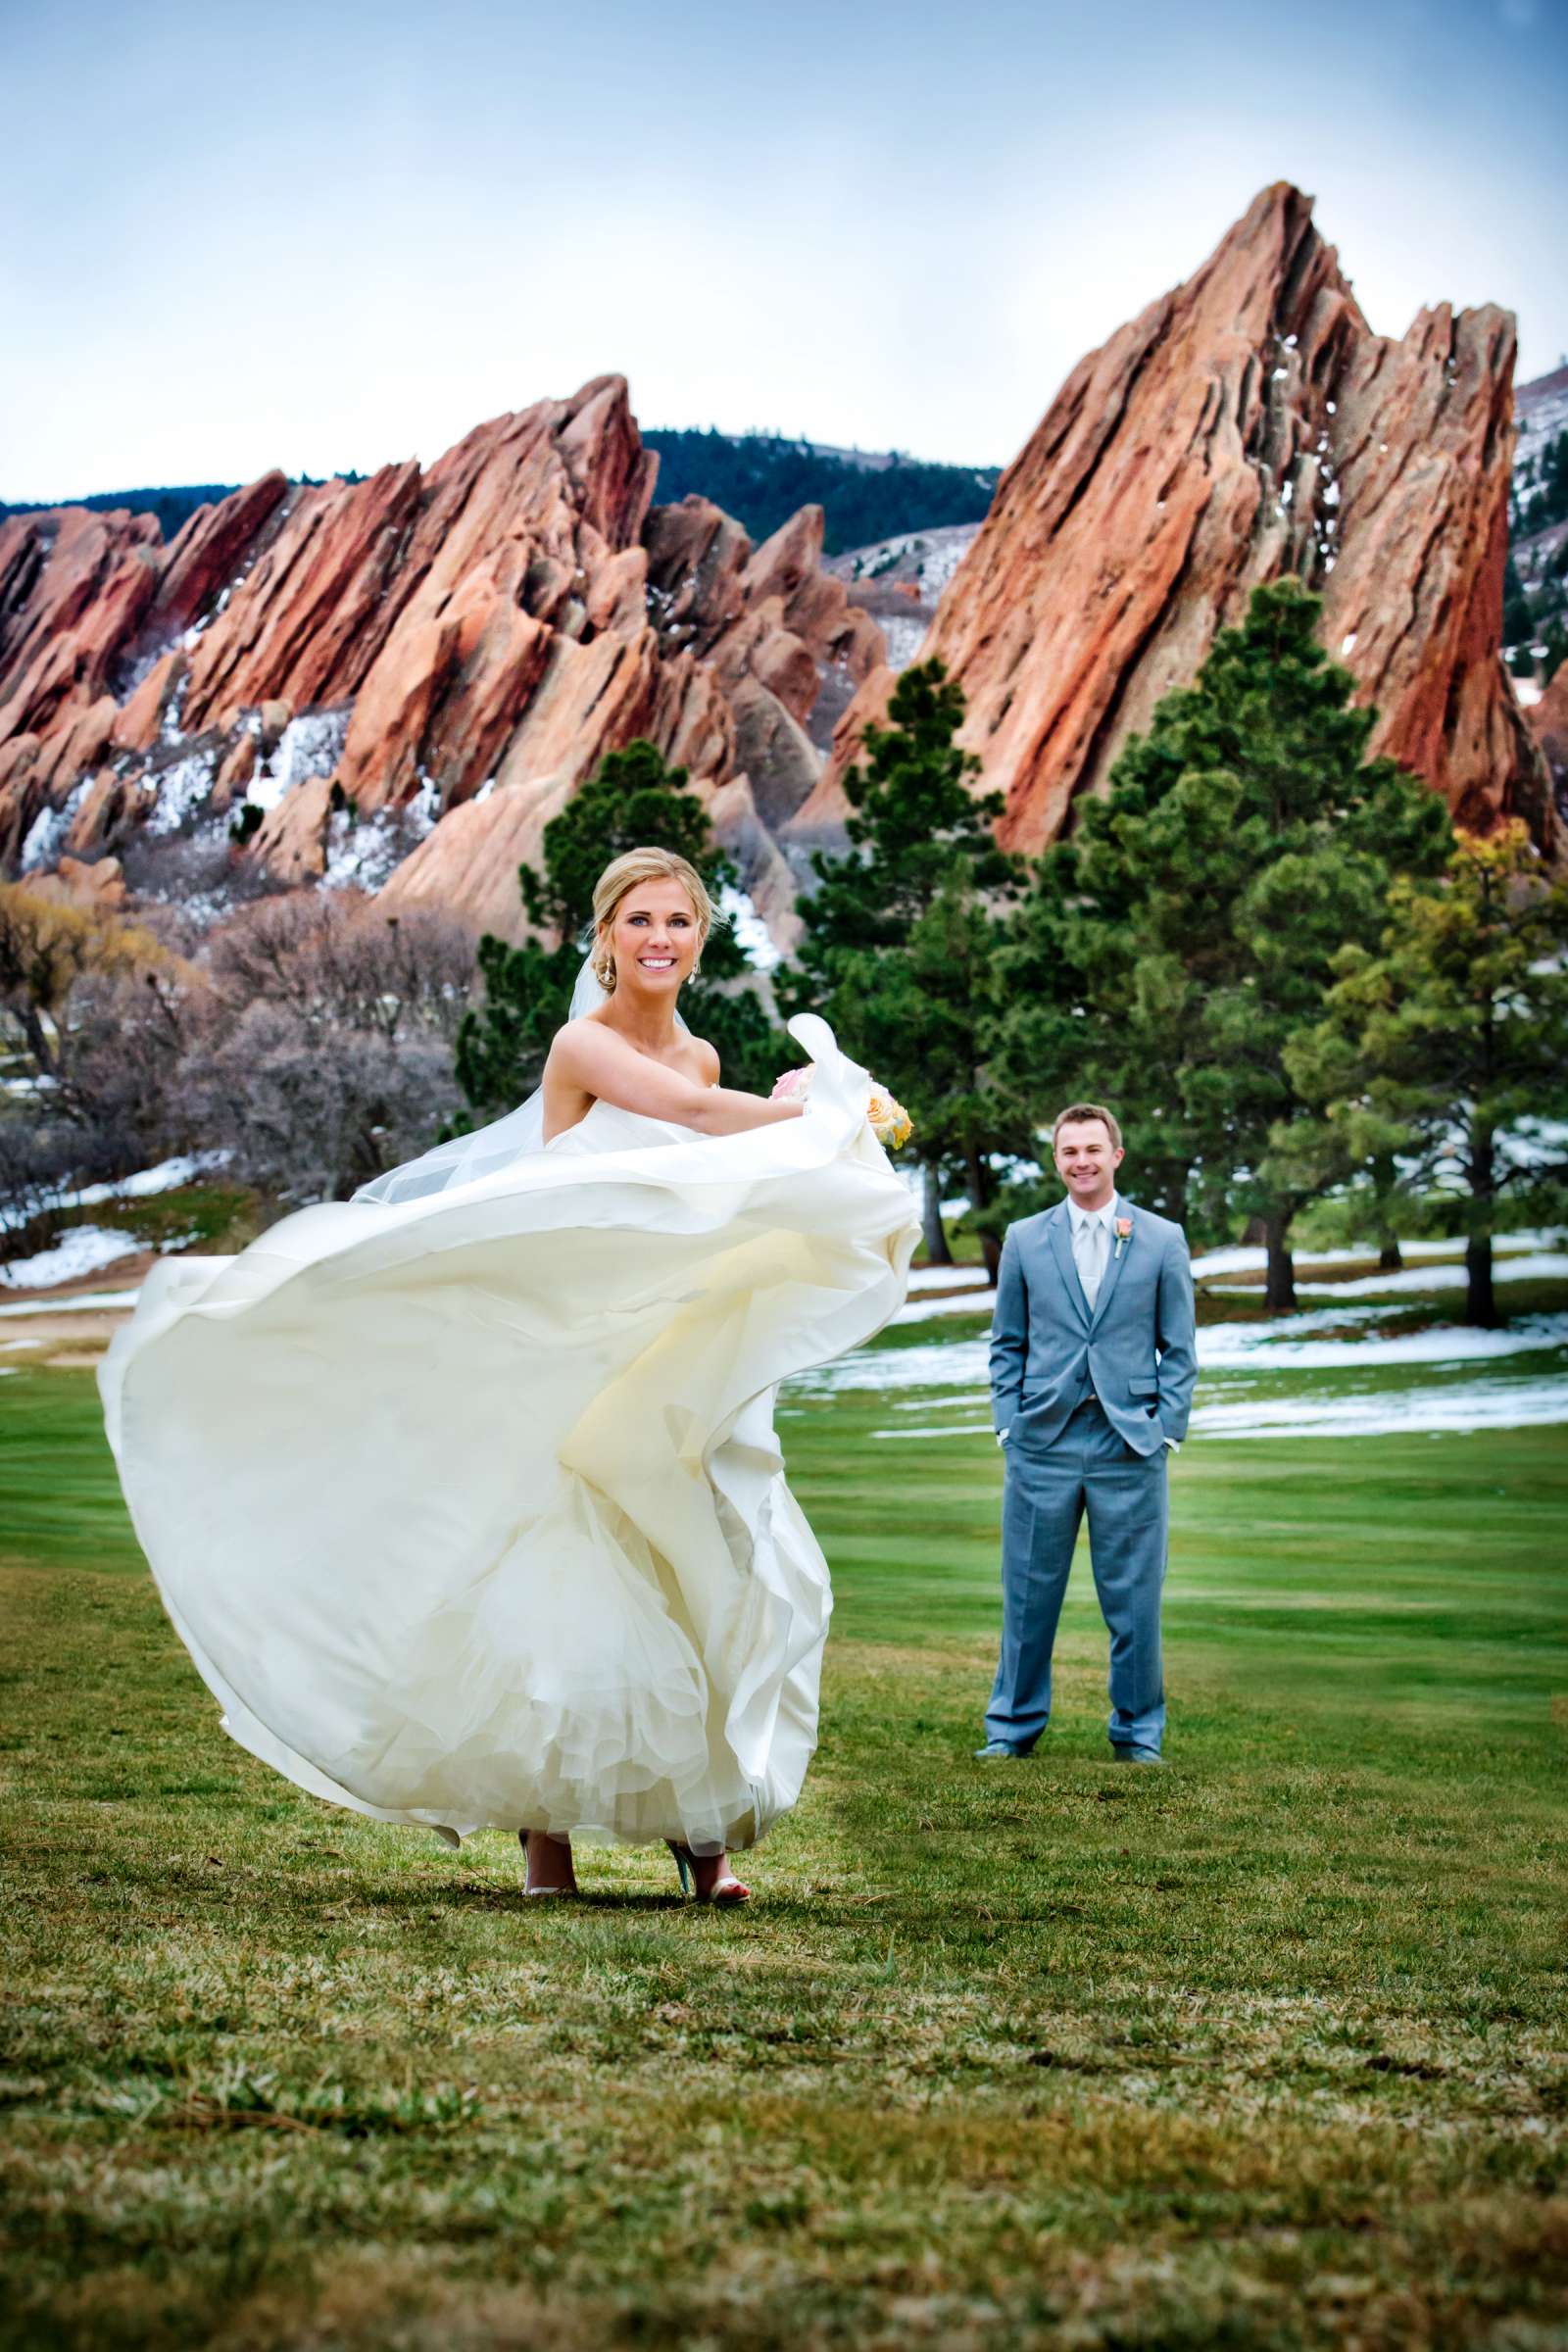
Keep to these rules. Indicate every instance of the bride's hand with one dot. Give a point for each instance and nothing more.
(891, 1123)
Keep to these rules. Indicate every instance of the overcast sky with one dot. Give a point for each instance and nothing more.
(321, 236)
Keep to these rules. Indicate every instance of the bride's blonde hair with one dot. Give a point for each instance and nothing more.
(624, 874)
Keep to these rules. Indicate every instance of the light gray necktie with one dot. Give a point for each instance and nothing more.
(1090, 1257)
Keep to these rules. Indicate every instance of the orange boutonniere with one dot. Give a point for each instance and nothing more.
(1124, 1232)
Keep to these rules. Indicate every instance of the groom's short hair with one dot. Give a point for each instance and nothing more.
(1077, 1114)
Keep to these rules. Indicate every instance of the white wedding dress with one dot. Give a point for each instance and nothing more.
(470, 1507)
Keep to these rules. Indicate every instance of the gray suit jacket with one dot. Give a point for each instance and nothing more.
(1137, 1353)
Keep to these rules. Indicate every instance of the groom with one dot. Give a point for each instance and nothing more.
(1092, 1363)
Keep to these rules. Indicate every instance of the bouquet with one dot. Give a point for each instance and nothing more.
(891, 1123)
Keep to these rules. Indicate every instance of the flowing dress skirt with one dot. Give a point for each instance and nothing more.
(470, 1511)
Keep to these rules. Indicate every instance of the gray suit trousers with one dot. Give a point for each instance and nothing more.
(1087, 1467)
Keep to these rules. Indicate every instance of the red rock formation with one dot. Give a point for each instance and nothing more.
(696, 556)
(72, 587)
(100, 887)
(1548, 723)
(1247, 425)
(492, 625)
(772, 626)
(214, 544)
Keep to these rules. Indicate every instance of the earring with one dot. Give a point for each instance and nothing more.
(604, 970)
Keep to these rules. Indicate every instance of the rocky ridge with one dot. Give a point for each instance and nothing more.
(397, 681)
(1247, 425)
(403, 678)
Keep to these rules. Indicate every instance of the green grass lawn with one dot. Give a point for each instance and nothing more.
(1267, 2048)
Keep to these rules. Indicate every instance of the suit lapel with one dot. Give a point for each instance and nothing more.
(1113, 1260)
(1066, 1264)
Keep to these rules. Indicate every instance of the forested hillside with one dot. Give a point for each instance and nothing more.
(759, 478)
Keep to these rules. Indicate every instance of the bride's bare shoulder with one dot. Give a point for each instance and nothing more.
(570, 1038)
(707, 1058)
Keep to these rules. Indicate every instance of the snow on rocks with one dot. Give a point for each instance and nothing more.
(311, 745)
(751, 934)
(182, 787)
(46, 835)
(364, 850)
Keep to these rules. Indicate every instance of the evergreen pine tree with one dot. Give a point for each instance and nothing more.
(901, 937)
(1166, 956)
(1445, 1046)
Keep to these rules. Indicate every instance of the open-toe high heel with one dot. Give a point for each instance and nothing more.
(727, 1889)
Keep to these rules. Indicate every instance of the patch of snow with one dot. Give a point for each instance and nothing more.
(942, 1429)
(181, 789)
(83, 1249)
(1348, 644)
(1255, 1261)
(1397, 1413)
(164, 1178)
(751, 932)
(94, 1302)
(1270, 1346)
(362, 852)
(46, 835)
(1285, 1342)
(945, 1278)
(920, 1309)
(1432, 1411)
(142, 669)
(1545, 1266)
(1528, 691)
(173, 710)
(930, 1365)
(904, 638)
(311, 745)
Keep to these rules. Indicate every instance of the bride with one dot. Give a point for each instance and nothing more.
(464, 1494)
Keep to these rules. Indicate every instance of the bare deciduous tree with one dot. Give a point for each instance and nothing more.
(328, 1057)
(343, 959)
(310, 1108)
(313, 1041)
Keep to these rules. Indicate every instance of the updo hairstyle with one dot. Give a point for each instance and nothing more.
(622, 875)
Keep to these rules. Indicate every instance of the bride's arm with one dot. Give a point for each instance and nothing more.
(589, 1055)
